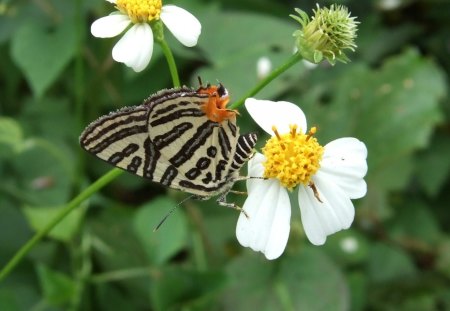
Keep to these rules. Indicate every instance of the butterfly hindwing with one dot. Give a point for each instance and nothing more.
(200, 151)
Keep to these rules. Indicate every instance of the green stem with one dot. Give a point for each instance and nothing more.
(93, 188)
(171, 62)
(120, 275)
(274, 74)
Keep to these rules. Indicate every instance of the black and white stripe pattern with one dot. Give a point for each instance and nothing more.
(170, 140)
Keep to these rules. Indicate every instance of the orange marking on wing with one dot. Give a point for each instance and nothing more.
(215, 108)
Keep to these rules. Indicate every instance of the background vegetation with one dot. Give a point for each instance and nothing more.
(55, 78)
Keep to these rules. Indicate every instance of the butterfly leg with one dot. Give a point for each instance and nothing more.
(238, 192)
(222, 202)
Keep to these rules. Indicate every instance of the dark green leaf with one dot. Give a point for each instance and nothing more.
(177, 288)
(388, 263)
(43, 173)
(170, 238)
(11, 220)
(42, 54)
(289, 283)
(433, 165)
(415, 222)
(57, 287)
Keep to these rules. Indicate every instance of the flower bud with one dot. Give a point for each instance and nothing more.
(326, 35)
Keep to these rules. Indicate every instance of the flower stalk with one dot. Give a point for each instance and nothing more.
(170, 62)
(269, 78)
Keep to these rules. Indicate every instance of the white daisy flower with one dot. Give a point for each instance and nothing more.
(326, 177)
(135, 48)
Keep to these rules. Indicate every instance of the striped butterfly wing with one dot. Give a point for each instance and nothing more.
(169, 140)
(121, 139)
(199, 152)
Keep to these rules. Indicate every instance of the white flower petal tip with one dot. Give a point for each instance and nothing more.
(344, 163)
(135, 48)
(280, 114)
(267, 227)
(182, 24)
(110, 26)
(321, 219)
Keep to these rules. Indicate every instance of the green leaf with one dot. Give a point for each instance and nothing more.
(57, 287)
(388, 263)
(433, 165)
(400, 107)
(375, 40)
(358, 283)
(11, 137)
(415, 221)
(289, 283)
(43, 173)
(113, 230)
(8, 300)
(235, 47)
(11, 220)
(176, 288)
(111, 298)
(50, 118)
(170, 238)
(65, 230)
(42, 54)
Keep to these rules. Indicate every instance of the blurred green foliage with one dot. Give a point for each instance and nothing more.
(55, 78)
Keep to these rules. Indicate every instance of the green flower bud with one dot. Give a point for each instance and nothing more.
(326, 35)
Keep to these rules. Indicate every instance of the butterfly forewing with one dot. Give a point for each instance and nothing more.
(120, 139)
(170, 140)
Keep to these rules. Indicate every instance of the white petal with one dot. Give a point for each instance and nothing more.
(182, 24)
(255, 169)
(349, 144)
(112, 1)
(267, 113)
(320, 219)
(110, 26)
(269, 211)
(344, 162)
(135, 48)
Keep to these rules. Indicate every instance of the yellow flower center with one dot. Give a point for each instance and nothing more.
(292, 158)
(140, 11)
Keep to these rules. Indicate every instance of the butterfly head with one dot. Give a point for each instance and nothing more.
(215, 105)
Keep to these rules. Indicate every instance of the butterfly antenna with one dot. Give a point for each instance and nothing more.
(170, 212)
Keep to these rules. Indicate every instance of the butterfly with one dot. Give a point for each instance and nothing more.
(182, 138)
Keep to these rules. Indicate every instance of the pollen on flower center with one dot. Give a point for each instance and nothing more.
(140, 11)
(292, 158)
